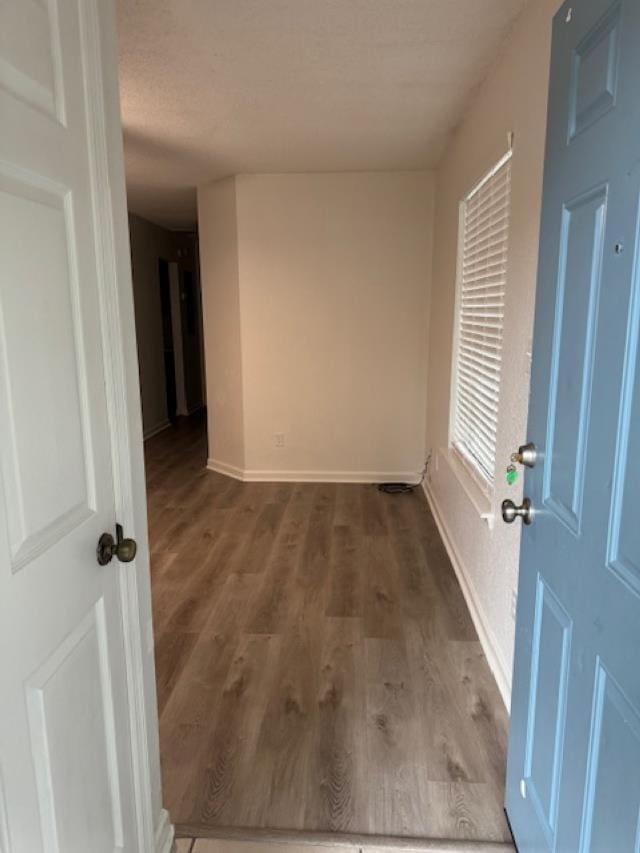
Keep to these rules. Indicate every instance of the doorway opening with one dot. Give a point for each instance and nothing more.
(169, 324)
(167, 340)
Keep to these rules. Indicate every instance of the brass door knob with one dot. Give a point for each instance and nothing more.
(108, 547)
(511, 511)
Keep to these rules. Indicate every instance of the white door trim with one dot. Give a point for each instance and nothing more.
(123, 397)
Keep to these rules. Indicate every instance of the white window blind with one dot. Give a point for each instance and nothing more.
(482, 270)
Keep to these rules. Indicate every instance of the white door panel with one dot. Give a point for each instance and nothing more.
(48, 474)
(77, 676)
(31, 55)
(66, 773)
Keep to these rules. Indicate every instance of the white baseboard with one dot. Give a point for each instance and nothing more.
(486, 636)
(164, 833)
(249, 476)
(331, 476)
(224, 468)
(154, 430)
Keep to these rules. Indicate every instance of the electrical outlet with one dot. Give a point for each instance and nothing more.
(279, 439)
(514, 604)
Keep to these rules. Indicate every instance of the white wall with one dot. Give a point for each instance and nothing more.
(513, 98)
(333, 283)
(221, 322)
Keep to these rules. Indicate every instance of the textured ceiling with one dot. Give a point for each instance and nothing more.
(212, 88)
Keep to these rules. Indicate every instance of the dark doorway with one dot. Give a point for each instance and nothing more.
(167, 339)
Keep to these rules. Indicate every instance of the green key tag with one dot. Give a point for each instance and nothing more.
(512, 475)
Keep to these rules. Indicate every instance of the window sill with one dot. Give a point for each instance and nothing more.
(479, 498)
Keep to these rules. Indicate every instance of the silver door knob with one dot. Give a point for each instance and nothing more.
(526, 455)
(511, 511)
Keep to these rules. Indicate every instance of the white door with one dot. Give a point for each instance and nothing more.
(66, 767)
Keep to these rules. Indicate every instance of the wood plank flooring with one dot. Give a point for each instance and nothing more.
(317, 667)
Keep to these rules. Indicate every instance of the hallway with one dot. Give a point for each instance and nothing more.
(317, 667)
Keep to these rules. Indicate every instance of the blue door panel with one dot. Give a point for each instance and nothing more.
(614, 754)
(547, 708)
(573, 773)
(577, 300)
(624, 536)
(595, 73)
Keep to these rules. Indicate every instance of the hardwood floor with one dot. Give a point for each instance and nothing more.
(317, 667)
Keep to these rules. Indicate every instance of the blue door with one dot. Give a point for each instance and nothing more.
(573, 777)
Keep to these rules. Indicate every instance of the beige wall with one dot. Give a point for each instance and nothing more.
(218, 227)
(333, 274)
(513, 98)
